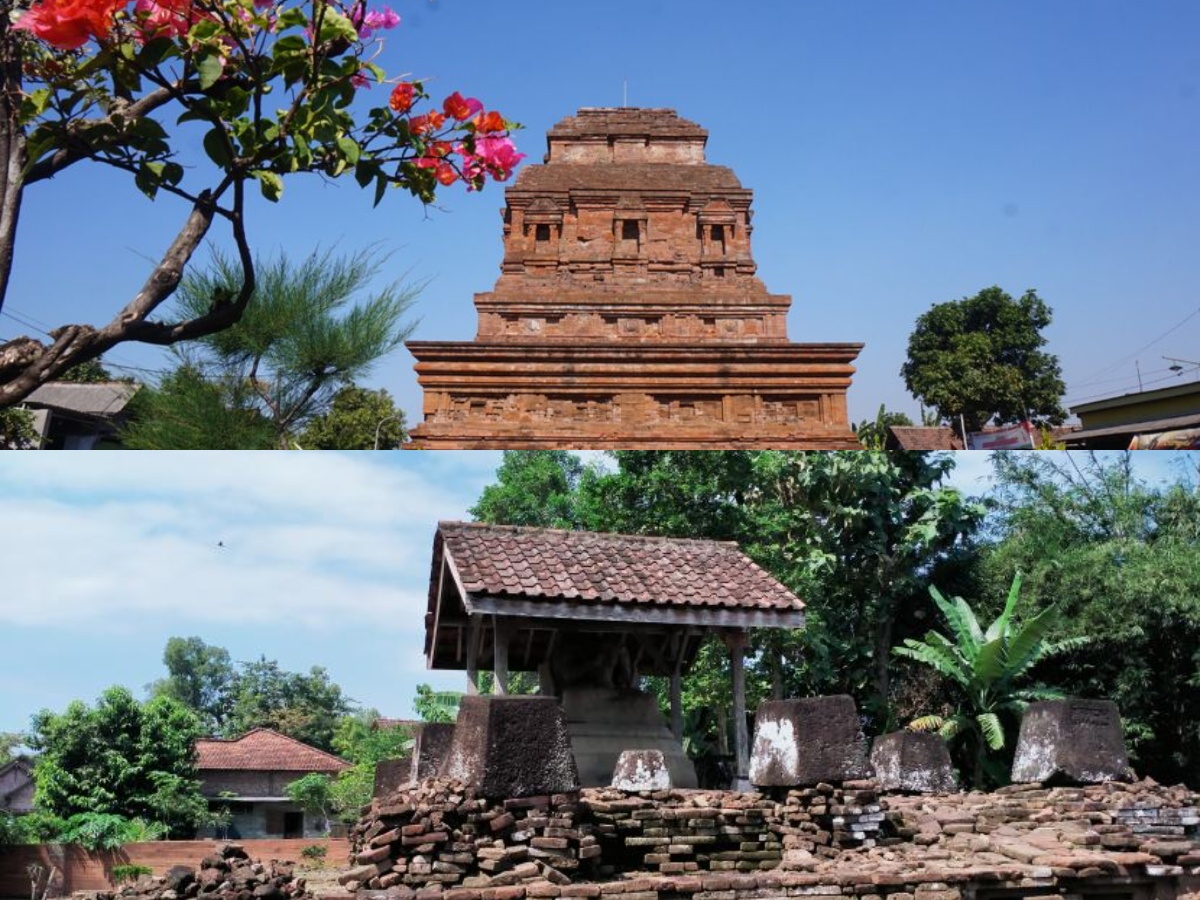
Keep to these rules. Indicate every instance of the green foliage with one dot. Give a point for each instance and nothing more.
(981, 358)
(313, 794)
(1121, 557)
(91, 371)
(201, 677)
(533, 487)
(119, 758)
(357, 419)
(872, 433)
(986, 667)
(307, 333)
(304, 706)
(10, 741)
(436, 706)
(129, 872)
(105, 831)
(358, 740)
(314, 855)
(189, 410)
(16, 430)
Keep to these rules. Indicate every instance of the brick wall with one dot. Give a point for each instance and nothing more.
(84, 870)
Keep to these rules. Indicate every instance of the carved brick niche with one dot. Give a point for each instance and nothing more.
(628, 314)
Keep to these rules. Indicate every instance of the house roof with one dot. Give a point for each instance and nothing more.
(587, 568)
(916, 437)
(105, 398)
(1129, 429)
(264, 750)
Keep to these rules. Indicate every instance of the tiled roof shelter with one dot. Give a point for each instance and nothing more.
(502, 597)
(264, 750)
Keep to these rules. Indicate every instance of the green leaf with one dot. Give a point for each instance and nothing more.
(993, 733)
(350, 149)
(381, 184)
(337, 27)
(271, 184)
(217, 147)
(210, 69)
(155, 51)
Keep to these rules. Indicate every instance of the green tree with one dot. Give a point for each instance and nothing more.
(273, 90)
(9, 742)
(872, 433)
(308, 332)
(436, 706)
(986, 666)
(189, 410)
(306, 707)
(314, 794)
(1121, 557)
(361, 740)
(91, 371)
(357, 419)
(981, 358)
(16, 430)
(201, 677)
(117, 758)
(533, 487)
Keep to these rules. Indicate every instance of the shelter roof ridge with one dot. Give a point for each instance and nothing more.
(582, 535)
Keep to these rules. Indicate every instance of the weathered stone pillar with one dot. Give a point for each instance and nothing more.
(736, 641)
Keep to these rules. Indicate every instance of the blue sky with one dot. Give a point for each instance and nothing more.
(325, 562)
(901, 154)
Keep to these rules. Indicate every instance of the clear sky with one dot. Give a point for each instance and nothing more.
(325, 562)
(901, 154)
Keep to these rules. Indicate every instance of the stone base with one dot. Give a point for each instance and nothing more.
(391, 774)
(432, 743)
(511, 747)
(603, 722)
(646, 396)
(1071, 741)
(806, 742)
(913, 761)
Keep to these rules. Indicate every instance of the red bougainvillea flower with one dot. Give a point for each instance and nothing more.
(69, 24)
(402, 97)
(426, 124)
(442, 170)
(461, 108)
(488, 122)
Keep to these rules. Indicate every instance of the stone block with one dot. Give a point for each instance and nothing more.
(1071, 741)
(641, 770)
(808, 741)
(511, 747)
(391, 774)
(913, 761)
(431, 744)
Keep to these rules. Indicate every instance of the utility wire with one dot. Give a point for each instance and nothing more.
(1124, 359)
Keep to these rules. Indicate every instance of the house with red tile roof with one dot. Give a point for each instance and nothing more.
(249, 775)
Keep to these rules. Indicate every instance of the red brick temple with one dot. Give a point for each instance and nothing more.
(628, 314)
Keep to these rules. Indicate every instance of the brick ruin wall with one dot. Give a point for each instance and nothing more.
(438, 839)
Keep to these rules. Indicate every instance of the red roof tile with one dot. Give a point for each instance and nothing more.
(904, 437)
(264, 750)
(589, 567)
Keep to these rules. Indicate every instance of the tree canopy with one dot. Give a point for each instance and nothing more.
(981, 358)
(266, 90)
(357, 419)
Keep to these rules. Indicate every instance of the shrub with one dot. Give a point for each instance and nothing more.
(129, 872)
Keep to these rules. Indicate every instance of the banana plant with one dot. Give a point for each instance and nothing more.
(987, 666)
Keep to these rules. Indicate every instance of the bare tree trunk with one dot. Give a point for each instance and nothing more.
(13, 154)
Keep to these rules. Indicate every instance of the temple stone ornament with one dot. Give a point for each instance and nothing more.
(628, 313)
(1071, 741)
(511, 747)
(913, 761)
(806, 742)
(641, 770)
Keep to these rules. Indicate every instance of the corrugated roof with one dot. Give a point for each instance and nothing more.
(264, 750)
(596, 568)
(105, 398)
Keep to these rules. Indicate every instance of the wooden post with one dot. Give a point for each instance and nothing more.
(474, 627)
(736, 641)
(677, 704)
(500, 636)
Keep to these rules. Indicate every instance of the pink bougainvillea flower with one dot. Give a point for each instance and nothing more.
(461, 108)
(360, 81)
(499, 154)
(488, 122)
(69, 24)
(381, 19)
(164, 18)
(402, 97)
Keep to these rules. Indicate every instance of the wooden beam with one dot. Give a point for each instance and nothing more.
(736, 641)
(500, 638)
(580, 613)
(677, 705)
(474, 633)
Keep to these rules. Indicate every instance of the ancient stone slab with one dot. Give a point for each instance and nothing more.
(511, 747)
(913, 761)
(432, 743)
(641, 770)
(391, 773)
(808, 741)
(1071, 741)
